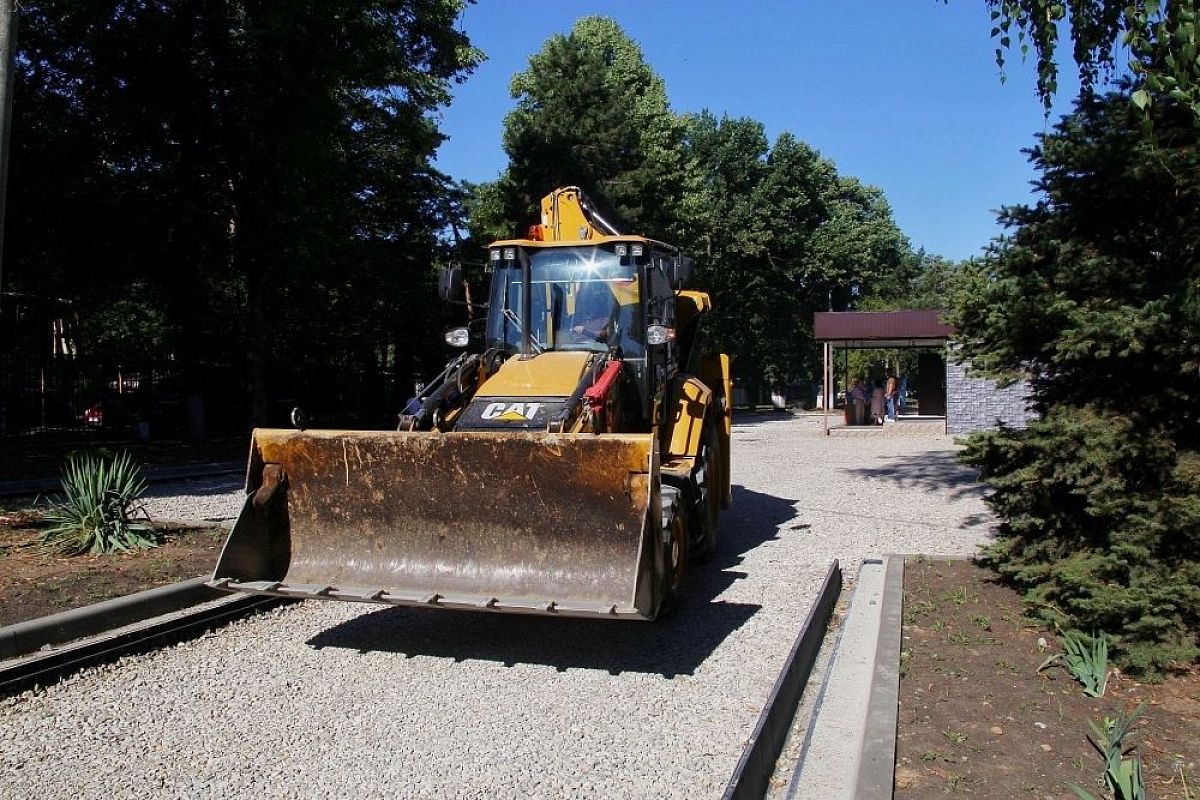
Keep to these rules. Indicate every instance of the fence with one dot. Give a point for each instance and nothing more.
(77, 395)
(67, 393)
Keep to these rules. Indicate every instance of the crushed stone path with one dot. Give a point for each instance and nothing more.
(328, 699)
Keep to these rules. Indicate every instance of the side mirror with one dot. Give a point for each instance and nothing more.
(679, 272)
(450, 287)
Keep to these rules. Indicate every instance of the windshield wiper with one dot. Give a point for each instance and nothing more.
(512, 317)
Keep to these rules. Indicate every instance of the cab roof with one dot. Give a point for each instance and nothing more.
(595, 240)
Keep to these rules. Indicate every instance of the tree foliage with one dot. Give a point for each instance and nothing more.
(776, 231)
(1094, 299)
(1159, 38)
(259, 171)
(919, 280)
(590, 112)
(1094, 294)
(1101, 529)
(778, 234)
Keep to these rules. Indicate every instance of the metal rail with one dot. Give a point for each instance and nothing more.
(45, 667)
(751, 777)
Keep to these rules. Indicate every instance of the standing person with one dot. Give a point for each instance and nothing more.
(902, 393)
(890, 397)
(877, 403)
(858, 396)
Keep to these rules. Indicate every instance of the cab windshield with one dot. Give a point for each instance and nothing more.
(581, 298)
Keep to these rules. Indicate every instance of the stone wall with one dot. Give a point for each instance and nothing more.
(974, 404)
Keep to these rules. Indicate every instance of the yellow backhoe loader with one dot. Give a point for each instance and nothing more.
(567, 463)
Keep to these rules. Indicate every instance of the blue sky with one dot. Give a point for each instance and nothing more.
(902, 94)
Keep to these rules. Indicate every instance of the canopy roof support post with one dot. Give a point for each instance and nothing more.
(826, 386)
(846, 369)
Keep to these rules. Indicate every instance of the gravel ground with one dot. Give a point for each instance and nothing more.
(200, 500)
(328, 699)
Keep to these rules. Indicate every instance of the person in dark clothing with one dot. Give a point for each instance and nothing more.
(596, 311)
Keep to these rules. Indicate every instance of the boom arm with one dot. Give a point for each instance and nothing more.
(568, 214)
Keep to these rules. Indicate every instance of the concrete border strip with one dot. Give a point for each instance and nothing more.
(753, 772)
(877, 760)
(833, 749)
(43, 668)
(818, 706)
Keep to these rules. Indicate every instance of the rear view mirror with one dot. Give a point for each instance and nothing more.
(450, 287)
(679, 272)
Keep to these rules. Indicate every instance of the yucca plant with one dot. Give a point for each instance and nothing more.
(96, 512)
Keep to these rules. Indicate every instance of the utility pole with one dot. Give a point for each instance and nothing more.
(8, 50)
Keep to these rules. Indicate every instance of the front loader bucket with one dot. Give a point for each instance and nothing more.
(517, 522)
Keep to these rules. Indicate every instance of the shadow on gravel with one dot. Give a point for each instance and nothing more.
(197, 487)
(751, 418)
(934, 470)
(670, 647)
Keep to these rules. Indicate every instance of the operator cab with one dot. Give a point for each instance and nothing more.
(585, 297)
(612, 296)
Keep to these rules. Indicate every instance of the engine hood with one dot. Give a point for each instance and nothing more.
(554, 374)
(525, 393)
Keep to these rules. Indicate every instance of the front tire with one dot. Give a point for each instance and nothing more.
(708, 482)
(675, 556)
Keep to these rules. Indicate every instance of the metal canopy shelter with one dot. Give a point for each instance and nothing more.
(873, 330)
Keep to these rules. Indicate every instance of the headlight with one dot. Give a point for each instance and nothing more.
(458, 337)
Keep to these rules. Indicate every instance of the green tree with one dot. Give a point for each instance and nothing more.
(590, 112)
(1159, 38)
(920, 280)
(1093, 294)
(779, 234)
(260, 170)
(1093, 298)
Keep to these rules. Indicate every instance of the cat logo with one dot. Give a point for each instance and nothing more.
(511, 412)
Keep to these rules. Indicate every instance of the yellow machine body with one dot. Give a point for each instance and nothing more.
(548, 375)
(549, 481)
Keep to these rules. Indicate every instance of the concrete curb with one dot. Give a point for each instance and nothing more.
(877, 760)
(35, 634)
(829, 759)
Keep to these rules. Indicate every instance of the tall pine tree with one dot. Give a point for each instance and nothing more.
(1093, 297)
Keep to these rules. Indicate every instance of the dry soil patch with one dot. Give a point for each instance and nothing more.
(977, 718)
(34, 582)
